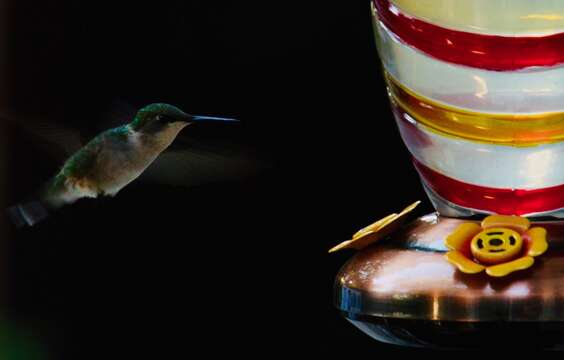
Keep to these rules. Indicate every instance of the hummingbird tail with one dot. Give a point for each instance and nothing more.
(27, 213)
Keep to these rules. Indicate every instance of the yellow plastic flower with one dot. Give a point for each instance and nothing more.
(501, 245)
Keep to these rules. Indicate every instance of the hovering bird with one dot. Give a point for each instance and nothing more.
(110, 161)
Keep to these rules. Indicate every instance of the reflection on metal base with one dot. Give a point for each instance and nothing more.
(404, 292)
(463, 335)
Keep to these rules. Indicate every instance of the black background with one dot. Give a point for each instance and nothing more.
(236, 265)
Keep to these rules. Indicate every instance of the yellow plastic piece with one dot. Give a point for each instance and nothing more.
(461, 235)
(375, 226)
(376, 231)
(509, 267)
(518, 223)
(538, 241)
(463, 263)
(496, 245)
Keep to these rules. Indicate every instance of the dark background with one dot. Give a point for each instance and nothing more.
(230, 265)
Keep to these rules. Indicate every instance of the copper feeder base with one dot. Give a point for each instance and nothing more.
(404, 292)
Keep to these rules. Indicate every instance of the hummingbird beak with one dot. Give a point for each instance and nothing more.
(197, 118)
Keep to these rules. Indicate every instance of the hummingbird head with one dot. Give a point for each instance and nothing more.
(158, 117)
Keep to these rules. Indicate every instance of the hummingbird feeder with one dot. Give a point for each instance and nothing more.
(477, 92)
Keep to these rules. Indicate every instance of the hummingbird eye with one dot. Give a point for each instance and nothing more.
(164, 118)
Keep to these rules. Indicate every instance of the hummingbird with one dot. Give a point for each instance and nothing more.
(110, 161)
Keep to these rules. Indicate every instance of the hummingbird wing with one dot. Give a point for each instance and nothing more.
(55, 139)
(69, 140)
(200, 163)
(61, 138)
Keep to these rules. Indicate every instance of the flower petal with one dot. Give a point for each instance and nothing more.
(538, 241)
(463, 234)
(463, 263)
(375, 226)
(376, 231)
(517, 223)
(509, 267)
